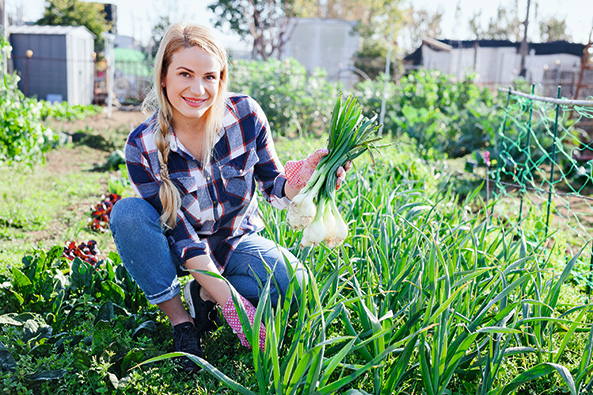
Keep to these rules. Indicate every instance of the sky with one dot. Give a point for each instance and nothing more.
(578, 14)
(136, 17)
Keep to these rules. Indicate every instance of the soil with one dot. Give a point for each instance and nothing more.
(128, 119)
(66, 159)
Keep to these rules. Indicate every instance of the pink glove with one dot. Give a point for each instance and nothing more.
(299, 172)
(231, 315)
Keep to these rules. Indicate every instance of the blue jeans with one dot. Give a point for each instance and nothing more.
(146, 254)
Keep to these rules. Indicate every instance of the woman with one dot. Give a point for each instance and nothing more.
(194, 165)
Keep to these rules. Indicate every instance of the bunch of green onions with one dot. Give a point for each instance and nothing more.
(314, 208)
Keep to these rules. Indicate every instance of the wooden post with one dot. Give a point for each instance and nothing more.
(524, 45)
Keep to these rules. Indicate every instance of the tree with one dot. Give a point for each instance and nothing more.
(377, 19)
(267, 22)
(553, 29)
(506, 25)
(77, 13)
(422, 23)
(377, 22)
(157, 33)
(475, 26)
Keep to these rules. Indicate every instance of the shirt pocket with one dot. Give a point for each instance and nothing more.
(190, 194)
(237, 177)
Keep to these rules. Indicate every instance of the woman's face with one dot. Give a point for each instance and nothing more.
(192, 82)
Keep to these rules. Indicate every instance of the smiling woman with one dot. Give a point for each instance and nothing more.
(191, 85)
(195, 164)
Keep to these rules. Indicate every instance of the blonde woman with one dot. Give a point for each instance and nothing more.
(195, 164)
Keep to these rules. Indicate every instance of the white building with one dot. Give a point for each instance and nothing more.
(324, 43)
(498, 62)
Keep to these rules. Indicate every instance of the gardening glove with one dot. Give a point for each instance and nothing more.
(299, 172)
(231, 315)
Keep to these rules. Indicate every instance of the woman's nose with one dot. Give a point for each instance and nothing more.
(197, 87)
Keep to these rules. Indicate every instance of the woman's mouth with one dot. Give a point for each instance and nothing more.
(194, 102)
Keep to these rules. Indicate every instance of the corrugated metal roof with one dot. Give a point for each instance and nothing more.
(50, 30)
(549, 48)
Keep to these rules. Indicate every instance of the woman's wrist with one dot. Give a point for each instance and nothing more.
(217, 287)
(291, 192)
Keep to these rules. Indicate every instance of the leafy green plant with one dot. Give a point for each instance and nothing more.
(24, 137)
(67, 112)
(427, 294)
(293, 101)
(455, 118)
(95, 319)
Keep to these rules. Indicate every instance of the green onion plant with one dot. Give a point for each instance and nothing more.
(314, 208)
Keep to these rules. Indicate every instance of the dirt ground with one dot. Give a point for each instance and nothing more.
(128, 118)
(67, 159)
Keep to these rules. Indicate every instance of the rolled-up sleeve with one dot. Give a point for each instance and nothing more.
(187, 243)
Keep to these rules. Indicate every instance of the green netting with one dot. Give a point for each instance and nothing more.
(544, 170)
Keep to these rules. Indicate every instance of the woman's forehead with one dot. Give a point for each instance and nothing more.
(195, 57)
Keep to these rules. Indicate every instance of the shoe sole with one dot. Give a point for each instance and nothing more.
(211, 324)
(188, 299)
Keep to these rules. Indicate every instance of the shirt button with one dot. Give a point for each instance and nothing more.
(215, 203)
(208, 178)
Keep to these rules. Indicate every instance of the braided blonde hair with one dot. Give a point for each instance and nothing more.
(178, 37)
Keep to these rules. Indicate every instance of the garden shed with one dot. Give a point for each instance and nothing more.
(55, 63)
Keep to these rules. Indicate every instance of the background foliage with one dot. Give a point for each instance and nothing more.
(461, 305)
(436, 111)
(77, 13)
(24, 137)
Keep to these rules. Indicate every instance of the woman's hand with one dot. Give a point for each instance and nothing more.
(299, 172)
(341, 173)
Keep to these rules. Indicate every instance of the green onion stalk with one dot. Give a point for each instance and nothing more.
(314, 209)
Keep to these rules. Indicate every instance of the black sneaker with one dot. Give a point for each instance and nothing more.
(204, 312)
(187, 338)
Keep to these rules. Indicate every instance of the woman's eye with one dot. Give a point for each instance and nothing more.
(184, 74)
(210, 77)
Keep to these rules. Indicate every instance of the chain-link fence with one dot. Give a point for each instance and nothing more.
(544, 174)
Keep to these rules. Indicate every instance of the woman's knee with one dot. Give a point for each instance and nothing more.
(258, 260)
(287, 270)
(136, 233)
(129, 213)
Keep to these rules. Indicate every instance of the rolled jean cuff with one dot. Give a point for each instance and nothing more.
(165, 295)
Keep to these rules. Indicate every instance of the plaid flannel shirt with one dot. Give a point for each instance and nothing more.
(218, 202)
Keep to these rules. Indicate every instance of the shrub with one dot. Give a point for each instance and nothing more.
(23, 136)
(455, 117)
(294, 101)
